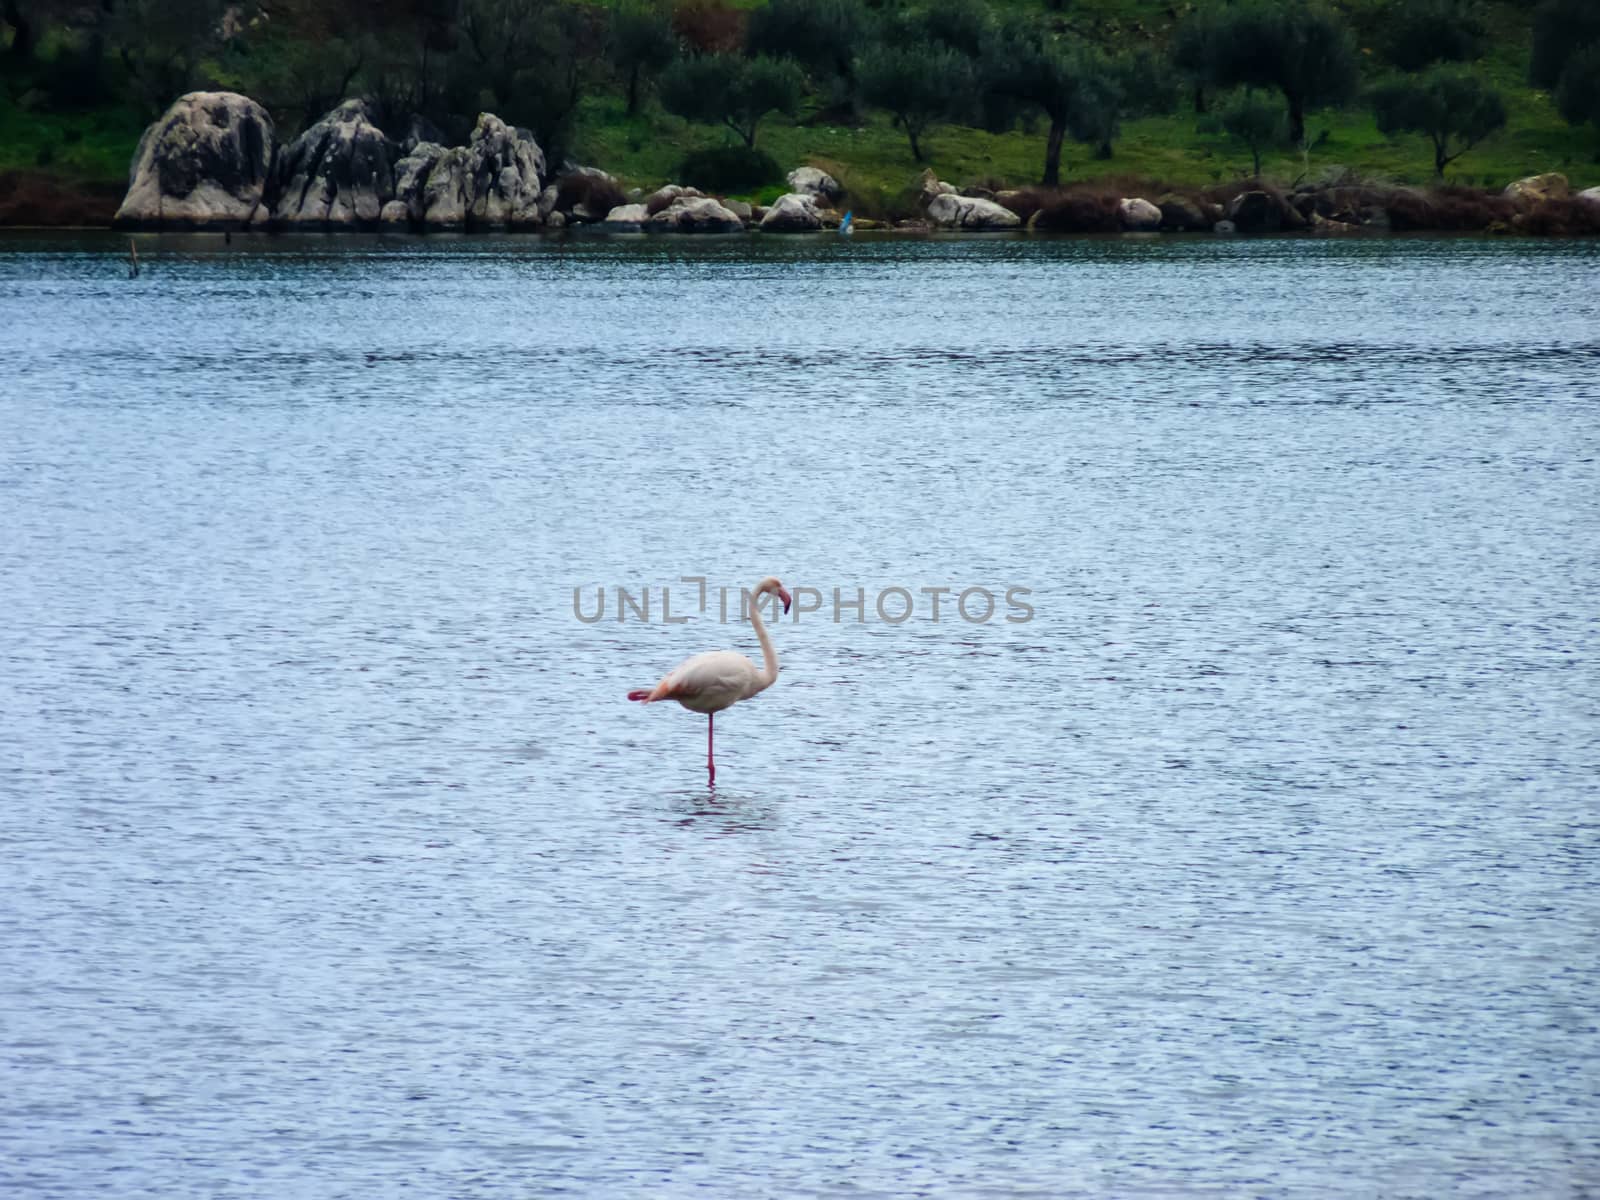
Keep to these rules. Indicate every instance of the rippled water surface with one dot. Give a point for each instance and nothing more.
(1261, 861)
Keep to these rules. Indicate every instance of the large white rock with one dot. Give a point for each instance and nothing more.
(1550, 186)
(204, 165)
(794, 213)
(1138, 214)
(626, 218)
(505, 165)
(969, 212)
(338, 174)
(815, 182)
(1589, 195)
(694, 214)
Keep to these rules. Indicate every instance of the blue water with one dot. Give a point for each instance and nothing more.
(1260, 861)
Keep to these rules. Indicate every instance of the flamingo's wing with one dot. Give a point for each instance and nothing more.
(712, 675)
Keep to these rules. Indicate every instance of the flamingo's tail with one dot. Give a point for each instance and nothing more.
(640, 694)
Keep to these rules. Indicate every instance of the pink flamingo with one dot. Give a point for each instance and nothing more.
(719, 679)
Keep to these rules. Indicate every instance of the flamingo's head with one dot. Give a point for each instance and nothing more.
(770, 585)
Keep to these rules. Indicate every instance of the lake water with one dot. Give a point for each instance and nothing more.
(1260, 861)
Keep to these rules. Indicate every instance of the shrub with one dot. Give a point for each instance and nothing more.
(724, 169)
(1079, 212)
(873, 201)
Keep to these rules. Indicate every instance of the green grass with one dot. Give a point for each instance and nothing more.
(645, 150)
(94, 146)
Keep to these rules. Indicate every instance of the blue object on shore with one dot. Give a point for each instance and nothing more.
(844, 226)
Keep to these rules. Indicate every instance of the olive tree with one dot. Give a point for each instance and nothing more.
(921, 85)
(728, 89)
(1296, 47)
(1419, 33)
(1025, 68)
(1578, 94)
(1252, 119)
(1561, 28)
(1449, 105)
(641, 43)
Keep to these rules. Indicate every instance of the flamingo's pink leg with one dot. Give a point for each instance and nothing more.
(711, 729)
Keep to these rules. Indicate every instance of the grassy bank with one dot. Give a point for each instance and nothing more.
(68, 165)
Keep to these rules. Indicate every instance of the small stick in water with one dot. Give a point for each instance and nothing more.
(133, 260)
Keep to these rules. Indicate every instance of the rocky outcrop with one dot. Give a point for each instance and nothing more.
(794, 213)
(1550, 186)
(1139, 216)
(950, 211)
(409, 206)
(813, 182)
(447, 195)
(206, 163)
(694, 214)
(338, 174)
(504, 169)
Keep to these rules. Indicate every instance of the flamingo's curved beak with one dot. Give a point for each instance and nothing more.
(783, 594)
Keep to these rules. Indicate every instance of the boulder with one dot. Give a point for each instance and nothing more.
(1139, 215)
(1324, 225)
(395, 217)
(968, 212)
(663, 197)
(794, 213)
(205, 164)
(1184, 215)
(694, 214)
(740, 209)
(931, 187)
(505, 165)
(447, 196)
(338, 174)
(547, 201)
(571, 168)
(410, 181)
(1589, 196)
(626, 218)
(1256, 212)
(1550, 186)
(810, 180)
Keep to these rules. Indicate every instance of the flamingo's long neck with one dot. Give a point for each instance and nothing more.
(769, 656)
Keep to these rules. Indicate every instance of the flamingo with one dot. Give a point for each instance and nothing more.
(719, 679)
